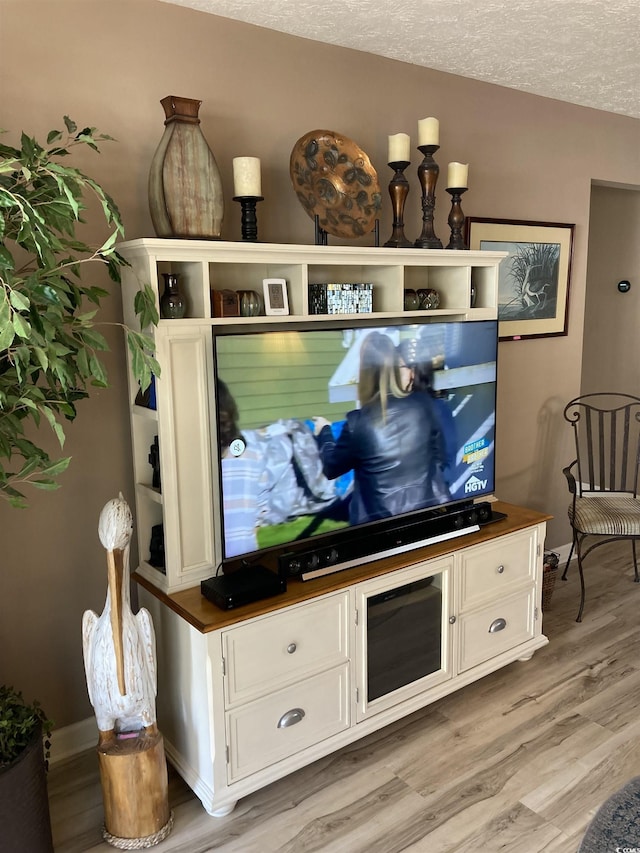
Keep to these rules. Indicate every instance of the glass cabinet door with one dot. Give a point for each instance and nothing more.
(403, 635)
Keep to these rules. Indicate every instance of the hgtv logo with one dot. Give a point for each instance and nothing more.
(473, 484)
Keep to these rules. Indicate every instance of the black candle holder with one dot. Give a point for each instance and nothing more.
(456, 218)
(322, 236)
(428, 172)
(249, 220)
(398, 190)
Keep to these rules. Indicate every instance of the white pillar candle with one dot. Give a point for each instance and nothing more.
(429, 131)
(457, 175)
(399, 148)
(246, 176)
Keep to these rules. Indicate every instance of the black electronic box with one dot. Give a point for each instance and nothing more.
(251, 583)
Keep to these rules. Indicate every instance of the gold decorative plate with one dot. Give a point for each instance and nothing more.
(333, 178)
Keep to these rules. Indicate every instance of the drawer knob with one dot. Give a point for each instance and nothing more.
(291, 648)
(452, 620)
(497, 625)
(500, 569)
(292, 717)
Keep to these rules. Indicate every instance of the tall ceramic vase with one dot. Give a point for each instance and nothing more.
(185, 188)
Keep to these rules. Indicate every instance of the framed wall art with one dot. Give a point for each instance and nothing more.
(533, 281)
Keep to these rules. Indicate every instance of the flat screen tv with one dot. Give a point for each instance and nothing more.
(325, 432)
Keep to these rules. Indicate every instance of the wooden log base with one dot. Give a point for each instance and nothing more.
(133, 774)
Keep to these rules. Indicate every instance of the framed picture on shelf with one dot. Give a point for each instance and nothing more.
(533, 281)
(275, 296)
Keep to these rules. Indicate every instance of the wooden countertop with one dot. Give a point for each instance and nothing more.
(192, 606)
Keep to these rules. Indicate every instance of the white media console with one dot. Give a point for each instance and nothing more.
(249, 695)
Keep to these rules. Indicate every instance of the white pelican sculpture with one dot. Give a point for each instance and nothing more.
(119, 647)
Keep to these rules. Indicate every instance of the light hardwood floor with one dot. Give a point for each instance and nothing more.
(517, 762)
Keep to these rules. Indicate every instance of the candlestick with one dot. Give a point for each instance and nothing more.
(246, 177)
(428, 172)
(428, 131)
(458, 175)
(249, 220)
(456, 218)
(398, 190)
(399, 148)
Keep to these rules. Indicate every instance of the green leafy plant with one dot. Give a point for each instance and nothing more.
(49, 344)
(19, 724)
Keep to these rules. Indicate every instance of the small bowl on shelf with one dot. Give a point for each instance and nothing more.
(250, 303)
(428, 299)
(411, 301)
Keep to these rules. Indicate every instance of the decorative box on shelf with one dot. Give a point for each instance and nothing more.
(225, 303)
(341, 298)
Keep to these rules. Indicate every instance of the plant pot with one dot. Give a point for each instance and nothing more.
(24, 803)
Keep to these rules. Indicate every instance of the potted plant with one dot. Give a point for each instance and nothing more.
(24, 806)
(49, 344)
(49, 358)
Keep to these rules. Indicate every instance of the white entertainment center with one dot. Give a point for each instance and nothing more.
(247, 696)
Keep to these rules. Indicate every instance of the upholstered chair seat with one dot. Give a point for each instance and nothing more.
(607, 516)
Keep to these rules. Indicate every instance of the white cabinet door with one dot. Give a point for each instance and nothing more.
(496, 628)
(498, 567)
(265, 731)
(276, 650)
(403, 635)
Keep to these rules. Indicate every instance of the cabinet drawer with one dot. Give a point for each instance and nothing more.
(498, 567)
(270, 729)
(496, 628)
(284, 647)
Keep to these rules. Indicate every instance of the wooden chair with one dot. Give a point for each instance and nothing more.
(603, 478)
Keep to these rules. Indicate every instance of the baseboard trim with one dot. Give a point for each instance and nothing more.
(74, 739)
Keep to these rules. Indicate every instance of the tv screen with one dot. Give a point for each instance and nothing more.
(326, 429)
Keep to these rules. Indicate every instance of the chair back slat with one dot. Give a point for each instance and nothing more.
(612, 451)
(625, 449)
(607, 441)
(602, 477)
(587, 456)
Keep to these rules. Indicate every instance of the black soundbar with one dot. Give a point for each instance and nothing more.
(383, 543)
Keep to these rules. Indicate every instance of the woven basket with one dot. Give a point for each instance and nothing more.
(549, 576)
(548, 585)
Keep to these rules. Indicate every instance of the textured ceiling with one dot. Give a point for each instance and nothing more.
(581, 51)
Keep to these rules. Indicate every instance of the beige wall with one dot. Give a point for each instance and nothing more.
(108, 63)
(611, 349)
